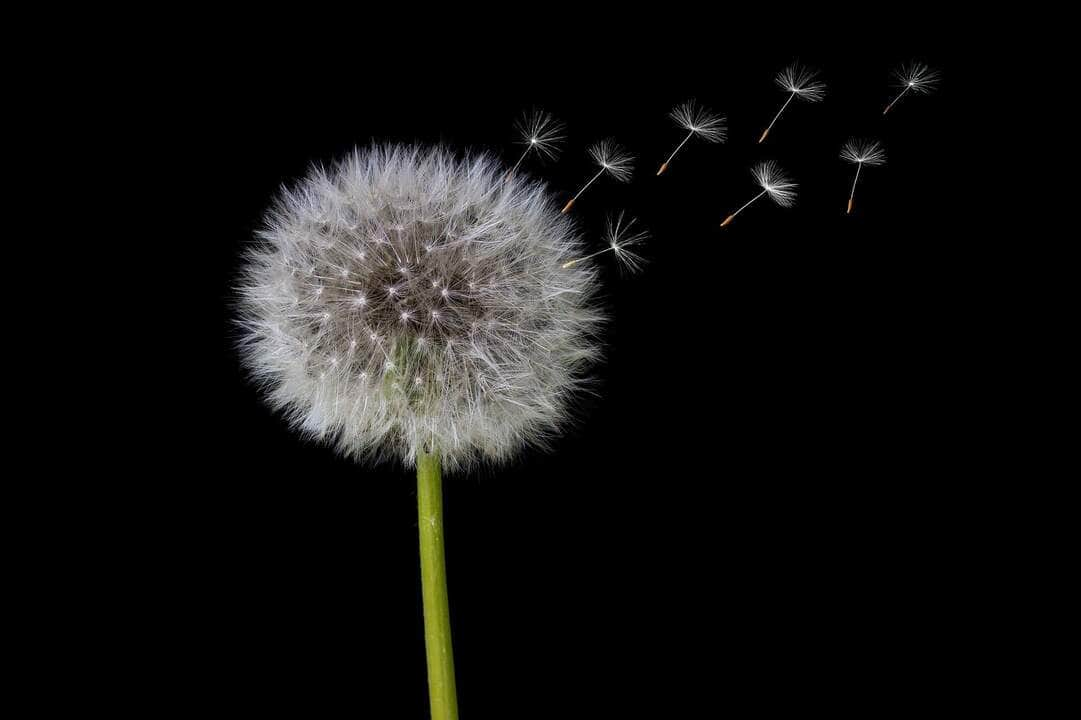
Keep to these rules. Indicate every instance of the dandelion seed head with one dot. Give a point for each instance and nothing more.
(611, 156)
(864, 152)
(473, 353)
(917, 77)
(700, 121)
(802, 82)
(772, 179)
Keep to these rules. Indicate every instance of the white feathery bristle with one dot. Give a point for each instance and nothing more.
(801, 82)
(621, 238)
(541, 132)
(917, 77)
(407, 300)
(700, 121)
(864, 152)
(772, 179)
(613, 158)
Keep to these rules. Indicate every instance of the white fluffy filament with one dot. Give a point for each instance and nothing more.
(774, 183)
(868, 152)
(612, 159)
(916, 77)
(620, 239)
(798, 82)
(696, 121)
(540, 133)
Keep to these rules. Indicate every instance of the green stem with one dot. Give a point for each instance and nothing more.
(433, 577)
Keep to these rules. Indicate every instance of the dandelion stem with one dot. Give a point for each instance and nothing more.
(571, 201)
(737, 212)
(896, 99)
(433, 573)
(528, 148)
(574, 262)
(766, 132)
(852, 195)
(665, 164)
(599, 173)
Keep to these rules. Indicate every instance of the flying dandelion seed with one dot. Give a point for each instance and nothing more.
(612, 159)
(798, 82)
(916, 77)
(773, 182)
(861, 153)
(540, 133)
(620, 240)
(696, 121)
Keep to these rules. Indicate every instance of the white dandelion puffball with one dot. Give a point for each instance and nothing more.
(407, 300)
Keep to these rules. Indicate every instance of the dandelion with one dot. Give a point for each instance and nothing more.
(916, 77)
(620, 239)
(540, 133)
(612, 159)
(774, 183)
(696, 121)
(798, 82)
(476, 353)
(862, 153)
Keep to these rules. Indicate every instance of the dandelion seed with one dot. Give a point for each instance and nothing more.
(774, 183)
(620, 240)
(696, 121)
(612, 159)
(862, 153)
(540, 133)
(798, 82)
(916, 77)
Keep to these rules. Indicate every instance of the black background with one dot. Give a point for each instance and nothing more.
(748, 514)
